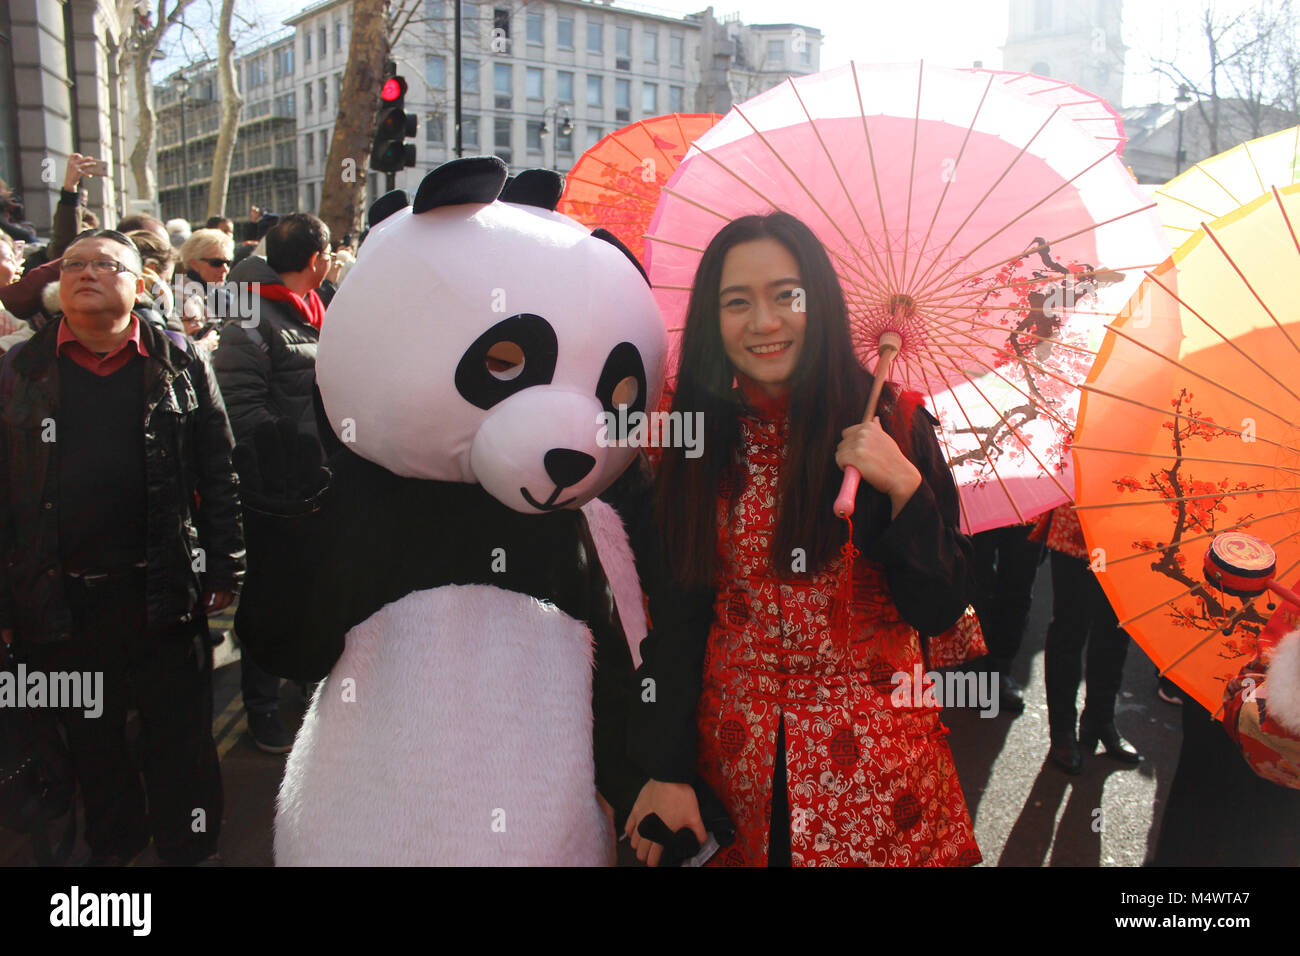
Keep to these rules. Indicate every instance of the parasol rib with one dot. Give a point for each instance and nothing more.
(871, 157)
(949, 180)
(976, 208)
(1247, 283)
(1191, 458)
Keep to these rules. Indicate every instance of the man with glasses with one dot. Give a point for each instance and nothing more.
(266, 365)
(120, 528)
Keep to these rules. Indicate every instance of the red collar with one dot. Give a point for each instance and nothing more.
(760, 402)
(68, 344)
(309, 306)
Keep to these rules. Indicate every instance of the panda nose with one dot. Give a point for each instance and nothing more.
(567, 467)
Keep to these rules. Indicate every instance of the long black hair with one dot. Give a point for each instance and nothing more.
(828, 393)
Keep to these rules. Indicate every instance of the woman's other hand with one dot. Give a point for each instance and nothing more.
(675, 804)
(882, 464)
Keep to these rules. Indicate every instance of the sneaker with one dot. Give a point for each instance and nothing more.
(269, 734)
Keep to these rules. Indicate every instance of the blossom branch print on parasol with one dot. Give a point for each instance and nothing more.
(949, 205)
(1186, 432)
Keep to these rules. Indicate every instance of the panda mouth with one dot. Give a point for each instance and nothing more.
(550, 504)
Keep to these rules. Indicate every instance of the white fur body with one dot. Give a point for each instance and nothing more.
(1283, 683)
(469, 741)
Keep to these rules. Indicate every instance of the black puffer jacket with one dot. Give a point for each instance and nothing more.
(267, 371)
(187, 446)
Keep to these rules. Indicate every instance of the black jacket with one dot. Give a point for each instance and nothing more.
(187, 445)
(267, 371)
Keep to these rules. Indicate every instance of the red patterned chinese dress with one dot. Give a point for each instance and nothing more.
(868, 782)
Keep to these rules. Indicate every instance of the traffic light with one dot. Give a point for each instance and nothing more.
(390, 153)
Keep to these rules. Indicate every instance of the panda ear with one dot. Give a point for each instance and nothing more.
(607, 236)
(473, 179)
(534, 187)
(385, 206)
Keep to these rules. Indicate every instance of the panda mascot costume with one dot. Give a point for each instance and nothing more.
(475, 607)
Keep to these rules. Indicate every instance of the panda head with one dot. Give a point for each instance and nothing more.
(481, 337)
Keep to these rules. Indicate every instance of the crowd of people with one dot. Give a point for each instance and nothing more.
(123, 533)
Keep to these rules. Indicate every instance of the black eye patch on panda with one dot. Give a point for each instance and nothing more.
(622, 380)
(514, 354)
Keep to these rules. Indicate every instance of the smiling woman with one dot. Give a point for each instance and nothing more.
(749, 602)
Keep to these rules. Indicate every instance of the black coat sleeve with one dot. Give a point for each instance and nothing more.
(664, 692)
(221, 532)
(929, 563)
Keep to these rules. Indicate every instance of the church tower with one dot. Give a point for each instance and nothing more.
(1078, 41)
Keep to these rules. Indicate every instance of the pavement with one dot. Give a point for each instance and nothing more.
(1027, 813)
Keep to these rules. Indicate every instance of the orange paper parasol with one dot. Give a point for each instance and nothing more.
(615, 184)
(1187, 431)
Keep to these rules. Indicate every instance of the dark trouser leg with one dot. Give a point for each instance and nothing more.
(1107, 648)
(261, 690)
(1008, 563)
(172, 674)
(111, 793)
(1063, 652)
(778, 847)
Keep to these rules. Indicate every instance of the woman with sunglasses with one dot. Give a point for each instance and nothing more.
(206, 256)
(784, 700)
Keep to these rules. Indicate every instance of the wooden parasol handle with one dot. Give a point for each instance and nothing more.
(887, 347)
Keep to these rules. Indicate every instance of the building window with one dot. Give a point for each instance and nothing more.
(564, 33)
(433, 10)
(469, 19)
(435, 128)
(623, 48)
(501, 138)
(324, 145)
(649, 99)
(534, 136)
(1042, 15)
(805, 53)
(501, 85)
(338, 34)
(306, 47)
(533, 83)
(469, 76)
(677, 50)
(1042, 68)
(501, 26)
(595, 88)
(338, 88)
(435, 71)
(563, 86)
(309, 148)
(469, 131)
(594, 135)
(306, 98)
(775, 52)
(320, 40)
(674, 99)
(535, 29)
(311, 196)
(324, 94)
(623, 100)
(284, 62)
(595, 36)
(650, 47)
(563, 140)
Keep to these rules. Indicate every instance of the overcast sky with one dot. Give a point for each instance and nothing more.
(947, 32)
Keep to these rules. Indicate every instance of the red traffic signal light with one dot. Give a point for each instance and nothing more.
(389, 153)
(393, 90)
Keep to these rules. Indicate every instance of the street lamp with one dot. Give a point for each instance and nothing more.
(1181, 102)
(182, 81)
(564, 120)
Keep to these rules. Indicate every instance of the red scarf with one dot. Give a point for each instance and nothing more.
(309, 307)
